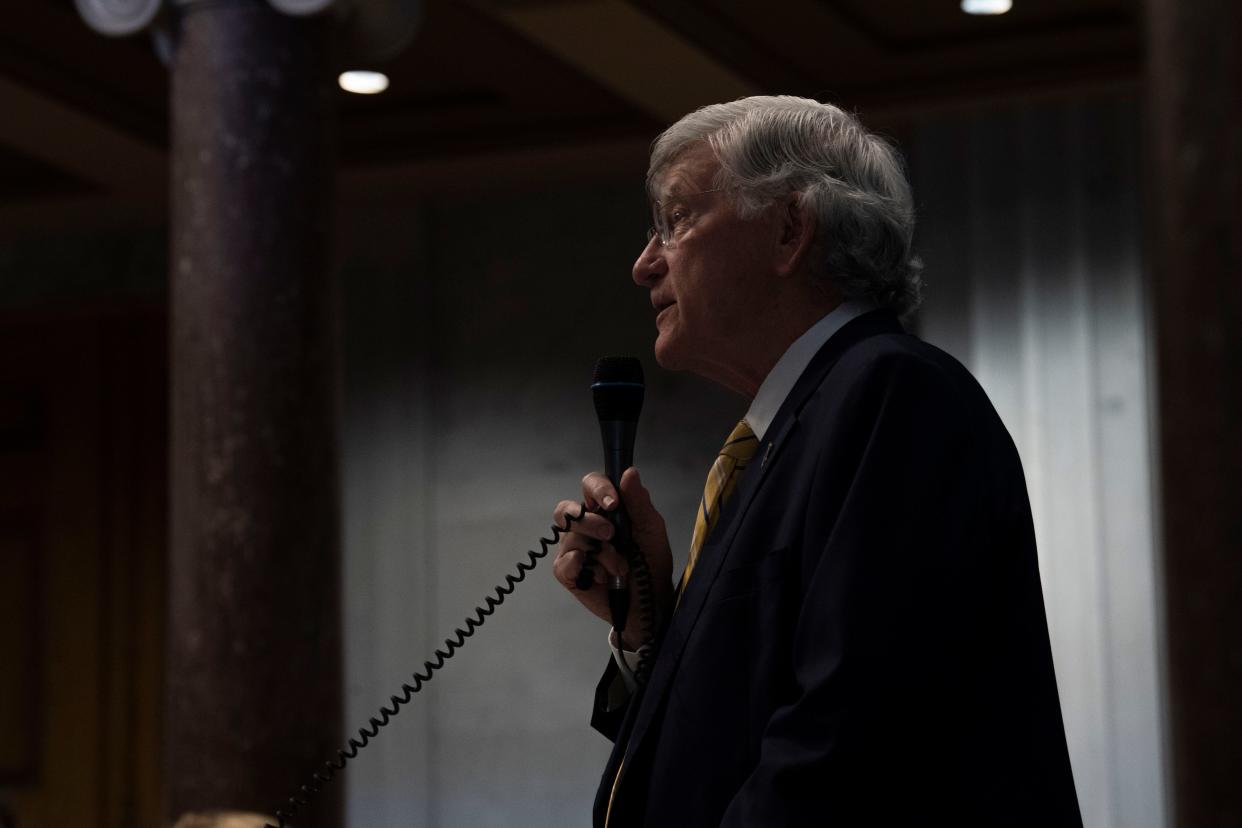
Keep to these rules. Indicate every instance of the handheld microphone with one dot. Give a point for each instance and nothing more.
(618, 390)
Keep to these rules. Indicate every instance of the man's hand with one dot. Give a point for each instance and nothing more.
(649, 534)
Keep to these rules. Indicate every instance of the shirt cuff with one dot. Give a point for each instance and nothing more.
(624, 659)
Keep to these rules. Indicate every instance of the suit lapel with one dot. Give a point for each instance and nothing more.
(717, 547)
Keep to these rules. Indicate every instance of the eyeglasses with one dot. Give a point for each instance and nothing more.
(670, 222)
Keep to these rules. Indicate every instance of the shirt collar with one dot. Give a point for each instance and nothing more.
(780, 380)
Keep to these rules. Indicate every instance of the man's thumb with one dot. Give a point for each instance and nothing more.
(637, 501)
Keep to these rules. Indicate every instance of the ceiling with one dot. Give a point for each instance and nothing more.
(492, 91)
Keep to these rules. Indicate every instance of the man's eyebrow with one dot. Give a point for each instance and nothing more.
(673, 191)
(675, 185)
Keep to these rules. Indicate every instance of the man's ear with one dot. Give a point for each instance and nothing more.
(797, 234)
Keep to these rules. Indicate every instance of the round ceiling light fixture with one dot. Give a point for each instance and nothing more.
(986, 6)
(363, 82)
(117, 18)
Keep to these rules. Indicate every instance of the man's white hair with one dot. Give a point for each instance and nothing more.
(853, 180)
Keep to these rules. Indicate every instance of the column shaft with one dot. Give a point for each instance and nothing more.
(253, 691)
(1195, 205)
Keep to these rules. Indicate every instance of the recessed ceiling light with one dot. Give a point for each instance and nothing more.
(363, 83)
(986, 6)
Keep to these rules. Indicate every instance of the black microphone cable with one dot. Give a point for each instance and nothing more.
(387, 712)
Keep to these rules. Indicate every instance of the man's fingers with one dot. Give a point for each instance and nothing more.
(607, 561)
(574, 541)
(563, 511)
(599, 492)
(611, 560)
(587, 533)
(567, 566)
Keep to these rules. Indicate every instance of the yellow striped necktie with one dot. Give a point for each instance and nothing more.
(722, 480)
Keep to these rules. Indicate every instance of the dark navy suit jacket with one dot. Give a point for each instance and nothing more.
(863, 641)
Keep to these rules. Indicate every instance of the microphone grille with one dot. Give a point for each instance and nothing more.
(618, 388)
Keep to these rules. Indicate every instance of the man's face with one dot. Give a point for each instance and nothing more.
(711, 284)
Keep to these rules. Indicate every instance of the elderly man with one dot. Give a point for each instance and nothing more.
(859, 635)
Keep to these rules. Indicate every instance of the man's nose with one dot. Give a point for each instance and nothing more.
(650, 264)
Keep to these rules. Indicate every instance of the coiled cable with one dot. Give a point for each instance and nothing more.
(386, 713)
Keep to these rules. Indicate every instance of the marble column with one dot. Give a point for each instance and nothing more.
(253, 677)
(1194, 85)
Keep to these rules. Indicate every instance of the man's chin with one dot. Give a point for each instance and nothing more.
(667, 356)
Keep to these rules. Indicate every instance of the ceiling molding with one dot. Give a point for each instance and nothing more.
(56, 134)
(625, 50)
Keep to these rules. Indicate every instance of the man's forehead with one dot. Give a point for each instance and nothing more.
(691, 171)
